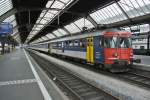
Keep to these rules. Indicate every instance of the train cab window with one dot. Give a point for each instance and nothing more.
(110, 42)
(124, 42)
(117, 42)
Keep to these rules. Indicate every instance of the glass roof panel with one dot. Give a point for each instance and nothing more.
(57, 4)
(40, 26)
(62, 31)
(65, 1)
(109, 14)
(34, 32)
(14, 23)
(51, 36)
(49, 14)
(53, 11)
(37, 28)
(44, 38)
(72, 28)
(84, 23)
(49, 3)
(15, 31)
(58, 34)
(43, 21)
(40, 39)
(37, 41)
(11, 20)
(5, 5)
(38, 20)
(135, 8)
(16, 36)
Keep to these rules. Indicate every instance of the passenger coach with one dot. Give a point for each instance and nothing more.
(109, 49)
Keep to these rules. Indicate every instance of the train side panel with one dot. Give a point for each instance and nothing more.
(98, 50)
(73, 49)
(78, 49)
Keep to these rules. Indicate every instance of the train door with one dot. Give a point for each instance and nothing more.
(90, 50)
(62, 45)
(49, 47)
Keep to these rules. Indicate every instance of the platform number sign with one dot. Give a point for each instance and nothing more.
(6, 29)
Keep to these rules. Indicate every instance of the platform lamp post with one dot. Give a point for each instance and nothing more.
(5, 31)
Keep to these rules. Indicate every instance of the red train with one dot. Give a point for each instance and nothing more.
(110, 49)
(120, 52)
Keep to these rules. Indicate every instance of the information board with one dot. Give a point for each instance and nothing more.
(6, 28)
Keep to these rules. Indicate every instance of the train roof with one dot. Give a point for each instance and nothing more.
(88, 34)
(83, 35)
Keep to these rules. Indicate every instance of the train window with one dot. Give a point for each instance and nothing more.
(82, 44)
(140, 39)
(66, 43)
(70, 43)
(142, 47)
(110, 42)
(59, 44)
(76, 43)
(124, 42)
(133, 39)
(100, 42)
(62, 44)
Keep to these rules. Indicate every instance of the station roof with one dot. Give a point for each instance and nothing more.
(42, 20)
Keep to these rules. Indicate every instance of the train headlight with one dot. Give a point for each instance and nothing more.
(115, 54)
(131, 54)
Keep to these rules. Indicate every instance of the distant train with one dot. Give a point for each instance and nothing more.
(110, 49)
(140, 45)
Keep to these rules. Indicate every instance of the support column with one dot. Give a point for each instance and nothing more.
(148, 44)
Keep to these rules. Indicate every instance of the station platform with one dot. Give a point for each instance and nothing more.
(22, 79)
(144, 59)
(123, 90)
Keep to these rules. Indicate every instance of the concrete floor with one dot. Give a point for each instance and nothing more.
(144, 59)
(18, 80)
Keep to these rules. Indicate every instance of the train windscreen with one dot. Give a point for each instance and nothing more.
(110, 42)
(117, 42)
(124, 42)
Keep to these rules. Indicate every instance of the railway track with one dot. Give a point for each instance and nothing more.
(74, 87)
(137, 77)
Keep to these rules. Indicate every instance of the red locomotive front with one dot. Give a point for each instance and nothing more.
(118, 51)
